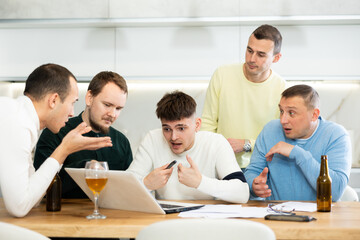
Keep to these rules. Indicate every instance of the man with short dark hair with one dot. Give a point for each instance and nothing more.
(242, 98)
(50, 93)
(286, 161)
(105, 98)
(206, 168)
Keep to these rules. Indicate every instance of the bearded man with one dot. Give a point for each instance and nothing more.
(105, 98)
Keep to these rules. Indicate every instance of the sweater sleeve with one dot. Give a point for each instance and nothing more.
(210, 112)
(339, 155)
(233, 190)
(45, 146)
(227, 188)
(142, 164)
(21, 186)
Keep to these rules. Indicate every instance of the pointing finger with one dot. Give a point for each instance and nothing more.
(264, 173)
(190, 161)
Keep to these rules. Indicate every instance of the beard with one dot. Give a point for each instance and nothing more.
(97, 127)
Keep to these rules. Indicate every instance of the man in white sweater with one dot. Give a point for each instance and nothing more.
(49, 96)
(206, 166)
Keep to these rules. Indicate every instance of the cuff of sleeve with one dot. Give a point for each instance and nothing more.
(53, 162)
(252, 194)
(205, 185)
(296, 152)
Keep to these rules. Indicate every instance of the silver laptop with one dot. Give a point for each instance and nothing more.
(124, 191)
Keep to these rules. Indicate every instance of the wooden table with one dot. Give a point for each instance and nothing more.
(342, 223)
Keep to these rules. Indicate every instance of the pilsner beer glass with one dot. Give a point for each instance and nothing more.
(96, 178)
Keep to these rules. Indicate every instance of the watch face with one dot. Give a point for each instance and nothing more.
(247, 147)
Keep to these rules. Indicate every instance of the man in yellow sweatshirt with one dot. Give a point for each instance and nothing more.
(242, 98)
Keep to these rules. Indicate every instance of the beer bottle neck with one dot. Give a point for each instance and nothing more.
(324, 167)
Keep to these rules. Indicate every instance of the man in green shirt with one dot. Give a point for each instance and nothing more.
(105, 98)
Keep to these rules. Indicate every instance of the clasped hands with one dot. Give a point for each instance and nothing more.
(189, 176)
(259, 186)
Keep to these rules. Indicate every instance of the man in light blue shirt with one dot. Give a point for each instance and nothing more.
(285, 164)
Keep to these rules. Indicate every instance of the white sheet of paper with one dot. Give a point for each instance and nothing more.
(298, 206)
(226, 211)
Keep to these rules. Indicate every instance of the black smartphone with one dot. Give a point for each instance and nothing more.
(295, 218)
(171, 164)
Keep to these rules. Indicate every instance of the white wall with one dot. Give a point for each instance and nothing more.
(20, 9)
(170, 39)
(309, 51)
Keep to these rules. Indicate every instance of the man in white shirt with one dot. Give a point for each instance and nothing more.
(49, 96)
(207, 167)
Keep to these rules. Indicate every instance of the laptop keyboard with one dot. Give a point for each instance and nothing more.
(169, 205)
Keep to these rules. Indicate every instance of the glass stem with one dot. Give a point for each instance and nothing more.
(96, 197)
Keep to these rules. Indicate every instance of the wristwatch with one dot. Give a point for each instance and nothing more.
(247, 146)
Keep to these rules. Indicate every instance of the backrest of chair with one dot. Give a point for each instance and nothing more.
(349, 195)
(209, 229)
(12, 232)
